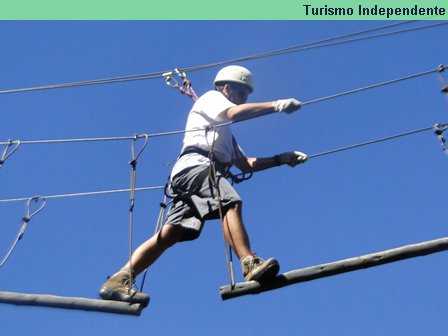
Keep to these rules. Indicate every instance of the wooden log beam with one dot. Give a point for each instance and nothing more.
(337, 267)
(43, 300)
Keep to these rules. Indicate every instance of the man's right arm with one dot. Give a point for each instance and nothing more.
(253, 110)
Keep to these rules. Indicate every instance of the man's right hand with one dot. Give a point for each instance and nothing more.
(287, 105)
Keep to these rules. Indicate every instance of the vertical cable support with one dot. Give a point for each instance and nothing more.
(133, 164)
(26, 219)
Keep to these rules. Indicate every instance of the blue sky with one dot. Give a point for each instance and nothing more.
(333, 207)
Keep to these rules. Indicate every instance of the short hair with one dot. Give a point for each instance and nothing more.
(234, 86)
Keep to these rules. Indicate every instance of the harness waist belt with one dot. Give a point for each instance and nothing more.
(222, 167)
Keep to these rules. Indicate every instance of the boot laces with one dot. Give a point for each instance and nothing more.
(253, 262)
(128, 284)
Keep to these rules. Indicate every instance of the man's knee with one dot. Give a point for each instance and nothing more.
(235, 206)
(170, 234)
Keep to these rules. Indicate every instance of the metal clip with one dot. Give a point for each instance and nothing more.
(186, 87)
(145, 143)
(442, 80)
(8, 151)
(438, 130)
(29, 214)
(169, 80)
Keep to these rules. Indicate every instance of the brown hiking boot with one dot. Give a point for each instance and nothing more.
(255, 268)
(120, 288)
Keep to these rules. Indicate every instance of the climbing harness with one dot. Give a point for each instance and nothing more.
(28, 216)
(186, 88)
(240, 177)
(10, 148)
(438, 130)
(133, 164)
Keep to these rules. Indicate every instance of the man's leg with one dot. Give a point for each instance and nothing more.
(148, 252)
(119, 286)
(234, 230)
(254, 267)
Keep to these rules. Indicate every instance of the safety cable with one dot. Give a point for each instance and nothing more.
(308, 46)
(309, 102)
(214, 179)
(159, 226)
(438, 129)
(133, 164)
(393, 81)
(376, 141)
(317, 44)
(28, 216)
(118, 138)
(441, 127)
(90, 193)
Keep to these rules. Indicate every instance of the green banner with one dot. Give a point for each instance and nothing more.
(223, 10)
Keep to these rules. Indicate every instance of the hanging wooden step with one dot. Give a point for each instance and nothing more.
(44, 300)
(337, 267)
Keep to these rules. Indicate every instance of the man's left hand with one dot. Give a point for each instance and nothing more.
(292, 159)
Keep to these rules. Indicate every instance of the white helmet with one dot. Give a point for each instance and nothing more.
(235, 74)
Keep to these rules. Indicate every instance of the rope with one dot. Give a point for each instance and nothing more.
(26, 220)
(373, 86)
(375, 141)
(159, 225)
(298, 48)
(91, 193)
(118, 138)
(133, 164)
(215, 182)
(439, 129)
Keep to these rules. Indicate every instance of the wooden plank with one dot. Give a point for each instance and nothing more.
(337, 267)
(43, 300)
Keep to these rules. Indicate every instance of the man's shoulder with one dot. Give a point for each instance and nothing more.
(211, 94)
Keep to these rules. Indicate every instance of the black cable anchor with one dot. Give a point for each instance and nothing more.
(438, 130)
(10, 148)
(26, 219)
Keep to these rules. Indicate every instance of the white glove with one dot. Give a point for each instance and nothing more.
(293, 158)
(287, 105)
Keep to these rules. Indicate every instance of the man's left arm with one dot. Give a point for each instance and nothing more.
(251, 164)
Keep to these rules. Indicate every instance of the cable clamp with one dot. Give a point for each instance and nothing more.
(186, 87)
(438, 130)
(170, 81)
(10, 148)
(135, 158)
(442, 80)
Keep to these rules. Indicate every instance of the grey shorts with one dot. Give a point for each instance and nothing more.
(201, 202)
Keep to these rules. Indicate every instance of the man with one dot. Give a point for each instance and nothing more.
(201, 193)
